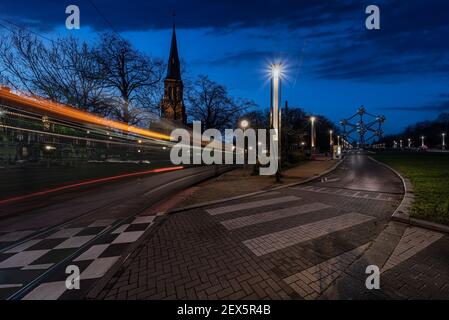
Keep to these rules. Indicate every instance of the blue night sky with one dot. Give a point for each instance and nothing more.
(334, 64)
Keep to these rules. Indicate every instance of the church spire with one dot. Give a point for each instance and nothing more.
(174, 66)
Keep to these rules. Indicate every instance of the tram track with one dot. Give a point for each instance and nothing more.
(155, 195)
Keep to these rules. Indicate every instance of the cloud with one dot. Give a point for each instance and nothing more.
(244, 56)
(144, 14)
(439, 106)
(412, 39)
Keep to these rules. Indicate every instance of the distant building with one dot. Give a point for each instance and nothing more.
(172, 104)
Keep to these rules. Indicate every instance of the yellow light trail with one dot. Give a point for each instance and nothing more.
(74, 114)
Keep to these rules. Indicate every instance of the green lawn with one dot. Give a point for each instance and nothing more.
(429, 174)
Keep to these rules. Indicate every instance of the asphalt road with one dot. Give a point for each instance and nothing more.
(359, 172)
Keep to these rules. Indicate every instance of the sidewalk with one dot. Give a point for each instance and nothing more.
(240, 182)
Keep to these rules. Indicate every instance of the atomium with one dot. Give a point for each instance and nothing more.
(368, 127)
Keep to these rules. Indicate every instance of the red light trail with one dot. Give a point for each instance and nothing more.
(88, 182)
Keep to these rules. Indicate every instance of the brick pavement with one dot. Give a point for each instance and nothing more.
(276, 251)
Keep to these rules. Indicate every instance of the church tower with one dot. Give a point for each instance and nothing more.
(172, 104)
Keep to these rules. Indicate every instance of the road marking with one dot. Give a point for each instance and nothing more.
(413, 241)
(280, 240)
(98, 268)
(102, 223)
(348, 193)
(272, 215)
(22, 259)
(14, 236)
(47, 291)
(121, 229)
(24, 246)
(251, 205)
(93, 252)
(74, 242)
(37, 266)
(65, 233)
(127, 237)
(143, 219)
(310, 283)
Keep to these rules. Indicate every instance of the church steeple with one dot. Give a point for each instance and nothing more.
(174, 66)
(172, 104)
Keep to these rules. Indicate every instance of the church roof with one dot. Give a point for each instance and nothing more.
(174, 66)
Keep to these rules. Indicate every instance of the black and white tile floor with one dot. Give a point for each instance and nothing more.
(104, 242)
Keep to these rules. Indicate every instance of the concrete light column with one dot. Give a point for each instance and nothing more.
(276, 71)
(312, 134)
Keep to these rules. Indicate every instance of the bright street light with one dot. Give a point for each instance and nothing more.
(443, 135)
(312, 133)
(331, 139)
(244, 124)
(422, 141)
(276, 74)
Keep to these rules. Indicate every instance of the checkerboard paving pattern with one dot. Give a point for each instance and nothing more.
(31, 258)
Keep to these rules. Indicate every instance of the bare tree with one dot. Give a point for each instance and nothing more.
(63, 70)
(133, 78)
(210, 103)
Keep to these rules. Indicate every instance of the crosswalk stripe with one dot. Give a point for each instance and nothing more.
(251, 205)
(272, 215)
(279, 240)
(348, 193)
(310, 283)
(413, 241)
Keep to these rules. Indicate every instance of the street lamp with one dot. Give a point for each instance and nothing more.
(443, 137)
(409, 143)
(422, 141)
(244, 124)
(331, 140)
(312, 133)
(276, 73)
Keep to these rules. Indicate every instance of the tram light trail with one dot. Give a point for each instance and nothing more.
(74, 114)
(87, 183)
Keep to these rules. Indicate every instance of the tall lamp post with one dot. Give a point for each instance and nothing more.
(331, 142)
(422, 142)
(244, 124)
(331, 138)
(276, 72)
(312, 134)
(443, 143)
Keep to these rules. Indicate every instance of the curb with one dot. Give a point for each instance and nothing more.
(209, 203)
(402, 213)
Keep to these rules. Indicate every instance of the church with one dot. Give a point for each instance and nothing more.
(172, 104)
